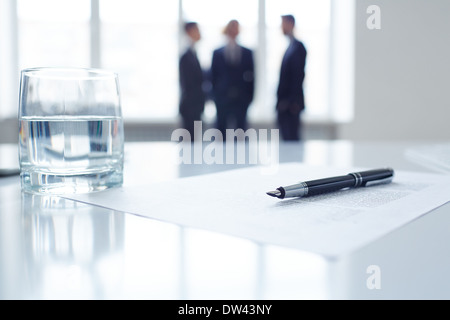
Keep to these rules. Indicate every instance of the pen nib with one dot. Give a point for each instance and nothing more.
(276, 194)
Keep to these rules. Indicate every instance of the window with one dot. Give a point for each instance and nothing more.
(53, 33)
(212, 17)
(9, 78)
(141, 40)
(312, 28)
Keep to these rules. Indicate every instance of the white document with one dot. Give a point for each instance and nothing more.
(235, 203)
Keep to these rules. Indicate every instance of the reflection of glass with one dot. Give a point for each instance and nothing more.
(140, 41)
(65, 245)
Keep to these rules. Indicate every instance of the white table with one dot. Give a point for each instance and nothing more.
(52, 248)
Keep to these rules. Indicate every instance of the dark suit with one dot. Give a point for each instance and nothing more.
(192, 101)
(290, 91)
(233, 87)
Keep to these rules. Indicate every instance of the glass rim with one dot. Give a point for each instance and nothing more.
(68, 73)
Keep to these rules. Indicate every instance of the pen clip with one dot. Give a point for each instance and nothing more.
(380, 181)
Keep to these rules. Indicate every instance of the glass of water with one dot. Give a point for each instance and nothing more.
(70, 130)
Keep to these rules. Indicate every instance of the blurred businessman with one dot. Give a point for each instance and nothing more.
(192, 100)
(290, 98)
(232, 77)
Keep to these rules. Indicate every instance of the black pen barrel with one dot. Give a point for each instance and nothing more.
(326, 185)
(372, 175)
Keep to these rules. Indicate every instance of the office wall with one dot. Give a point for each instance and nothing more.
(402, 72)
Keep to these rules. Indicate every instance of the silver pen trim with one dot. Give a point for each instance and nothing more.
(297, 190)
(358, 179)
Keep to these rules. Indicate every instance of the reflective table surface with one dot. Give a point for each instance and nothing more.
(51, 248)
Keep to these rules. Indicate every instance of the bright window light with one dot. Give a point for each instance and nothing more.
(53, 33)
(140, 43)
(142, 40)
(312, 28)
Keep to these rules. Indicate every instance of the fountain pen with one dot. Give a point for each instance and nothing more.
(320, 186)
(9, 172)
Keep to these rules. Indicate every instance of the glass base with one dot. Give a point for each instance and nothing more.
(50, 183)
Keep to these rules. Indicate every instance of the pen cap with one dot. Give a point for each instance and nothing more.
(371, 177)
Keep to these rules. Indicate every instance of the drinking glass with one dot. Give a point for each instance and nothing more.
(70, 130)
